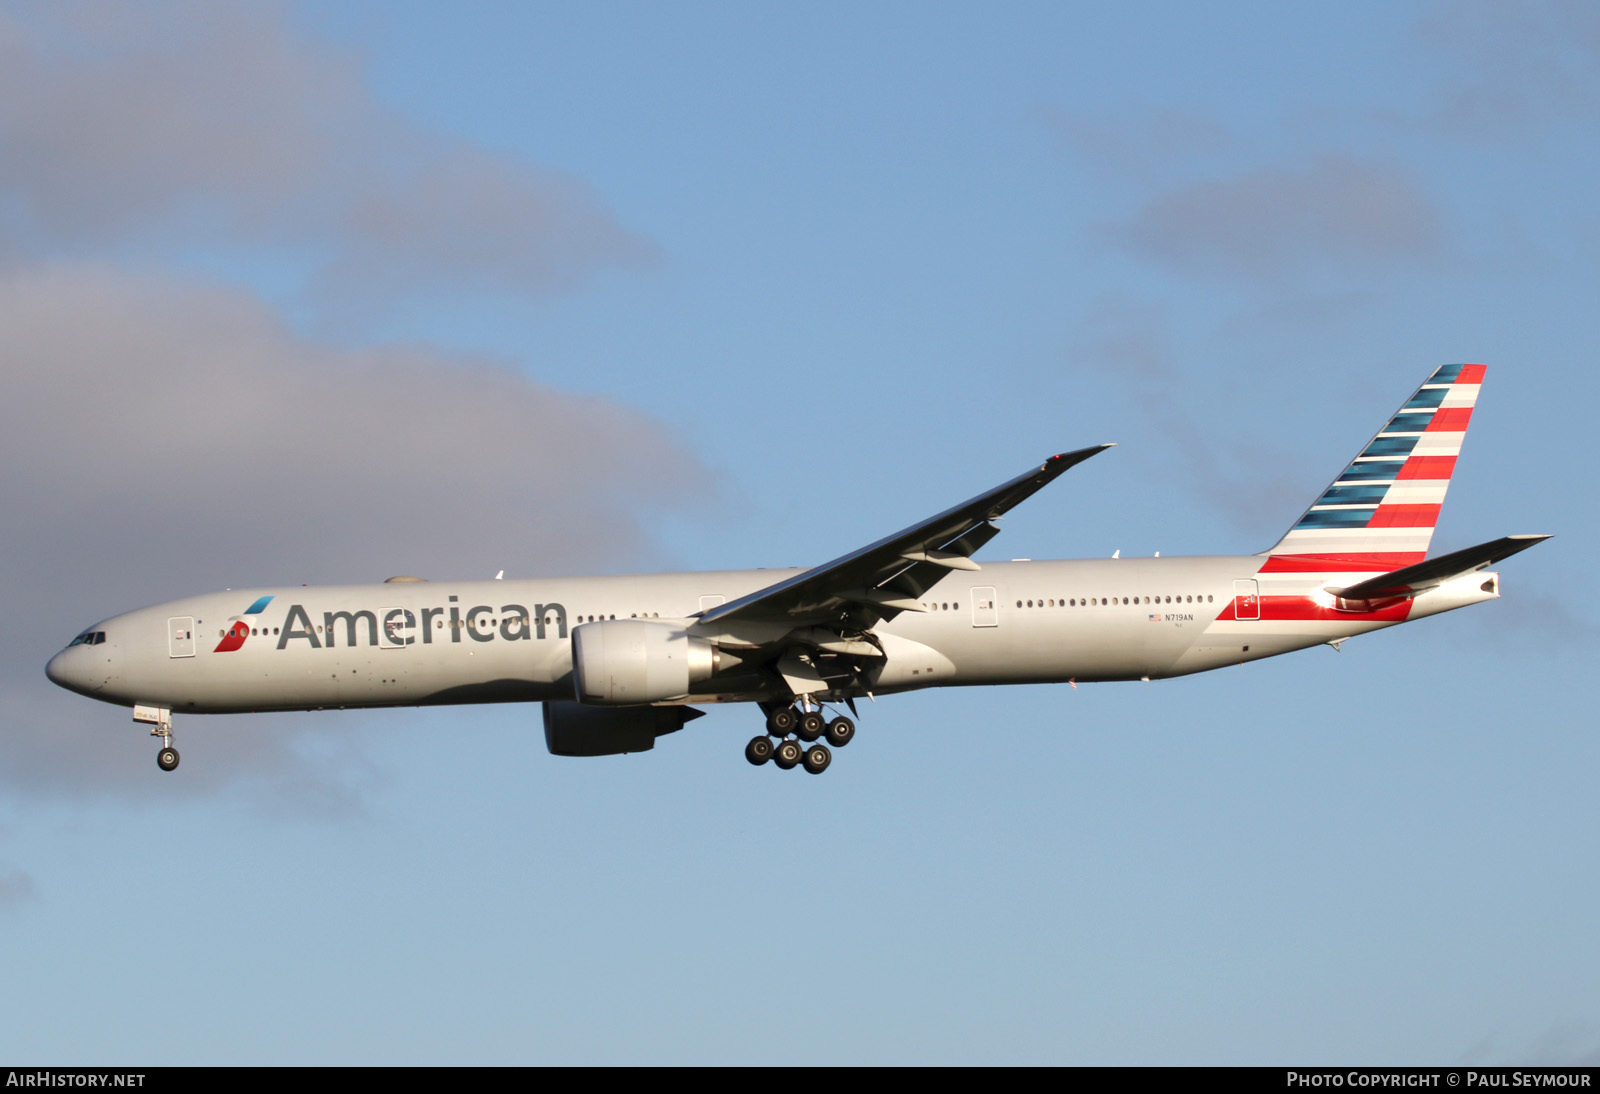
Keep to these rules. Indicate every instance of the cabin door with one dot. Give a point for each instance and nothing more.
(985, 607)
(180, 636)
(1246, 599)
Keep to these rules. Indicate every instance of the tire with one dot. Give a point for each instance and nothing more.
(810, 727)
(817, 759)
(787, 754)
(759, 750)
(167, 759)
(841, 731)
(780, 723)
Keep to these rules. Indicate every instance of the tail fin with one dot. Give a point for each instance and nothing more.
(1380, 513)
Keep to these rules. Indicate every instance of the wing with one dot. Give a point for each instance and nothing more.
(885, 578)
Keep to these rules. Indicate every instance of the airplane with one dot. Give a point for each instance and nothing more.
(618, 662)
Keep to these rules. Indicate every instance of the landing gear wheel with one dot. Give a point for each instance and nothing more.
(780, 723)
(759, 750)
(817, 759)
(841, 731)
(167, 759)
(810, 727)
(787, 754)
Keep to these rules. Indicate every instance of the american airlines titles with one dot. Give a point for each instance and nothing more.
(513, 622)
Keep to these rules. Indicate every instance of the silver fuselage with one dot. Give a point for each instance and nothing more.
(414, 643)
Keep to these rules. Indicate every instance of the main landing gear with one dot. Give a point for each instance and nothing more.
(160, 721)
(791, 752)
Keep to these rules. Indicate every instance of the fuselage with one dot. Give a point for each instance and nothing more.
(424, 642)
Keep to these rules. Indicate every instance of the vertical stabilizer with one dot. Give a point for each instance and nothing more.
(1380, 512)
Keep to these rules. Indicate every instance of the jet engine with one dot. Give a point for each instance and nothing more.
(572, 729)
(626, 662)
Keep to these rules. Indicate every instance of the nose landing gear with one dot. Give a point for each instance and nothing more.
(808, 725)
(159, 719)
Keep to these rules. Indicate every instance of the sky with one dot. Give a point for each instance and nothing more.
(308, 293)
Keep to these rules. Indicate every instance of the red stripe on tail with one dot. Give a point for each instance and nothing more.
(1428, 467)
(1405, 516)
(1451, 419)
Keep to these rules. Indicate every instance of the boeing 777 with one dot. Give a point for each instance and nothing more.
(619, 661)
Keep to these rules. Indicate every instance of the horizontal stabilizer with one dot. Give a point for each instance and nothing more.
(1408, 581)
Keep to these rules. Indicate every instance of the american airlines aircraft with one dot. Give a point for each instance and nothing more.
(618, 661)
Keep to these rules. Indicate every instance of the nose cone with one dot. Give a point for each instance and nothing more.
(72, 670)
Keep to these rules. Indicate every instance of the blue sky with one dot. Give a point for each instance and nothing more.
(642, 287)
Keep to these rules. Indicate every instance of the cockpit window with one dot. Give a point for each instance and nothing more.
(88, 638)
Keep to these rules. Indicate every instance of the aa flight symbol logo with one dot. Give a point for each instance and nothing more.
(241, 627)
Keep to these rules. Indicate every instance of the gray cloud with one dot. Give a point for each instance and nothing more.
(1513, 66)
(1237, 473)
(216, 124)
(16, 887)
(1535, 618)
(162, 439)
(1563, 1044)
(1144, 147)
(1272, 222)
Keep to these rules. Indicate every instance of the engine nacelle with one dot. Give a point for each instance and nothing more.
(572, 729)
(625, 662)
